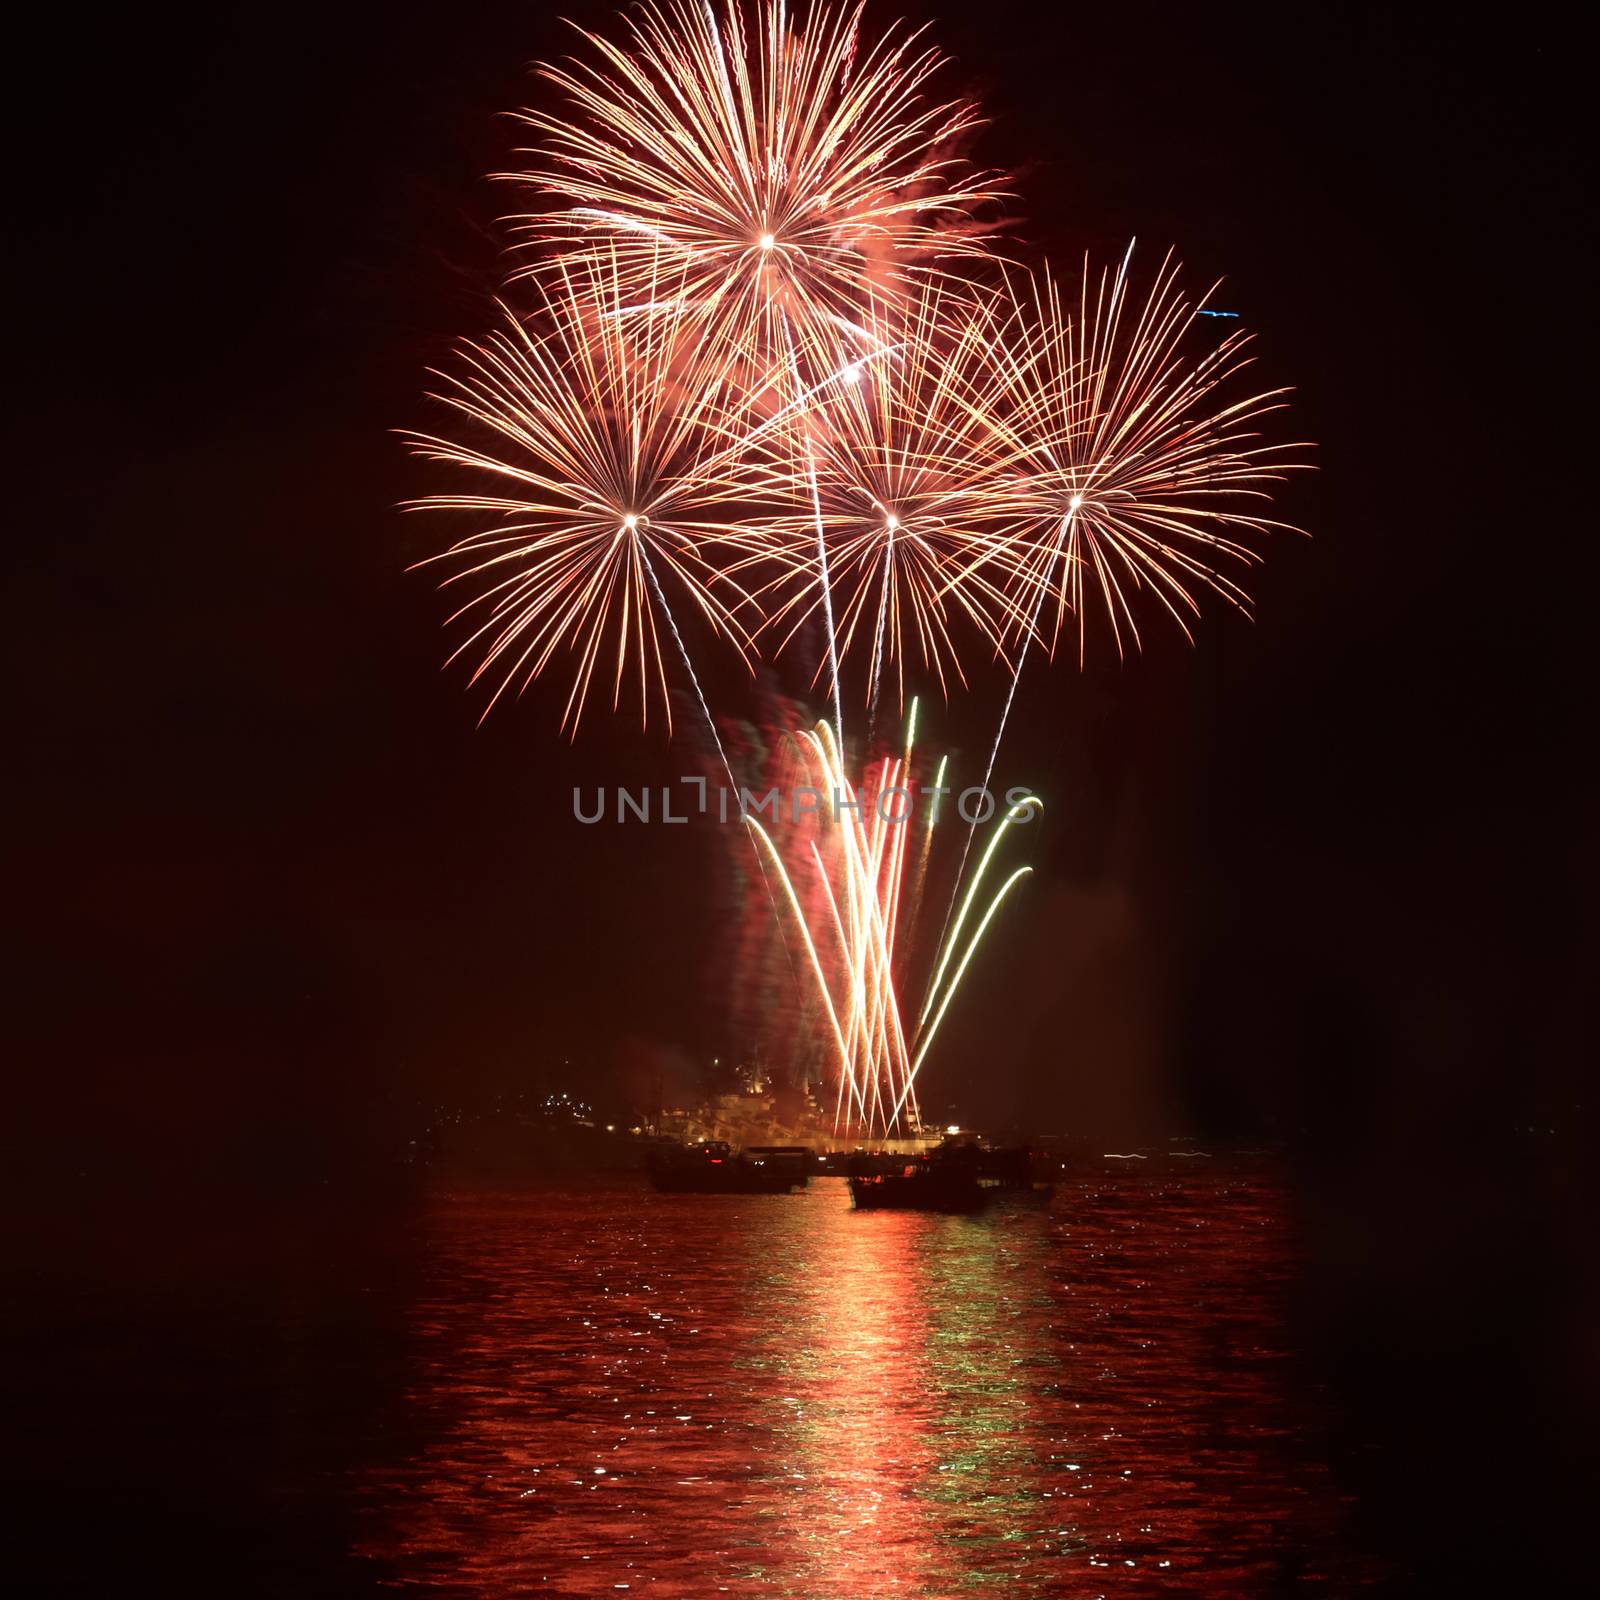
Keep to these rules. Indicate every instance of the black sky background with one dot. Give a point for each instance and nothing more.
(1316, 878)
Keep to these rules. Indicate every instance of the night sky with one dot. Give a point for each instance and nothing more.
(1319, 866)
(1317, 878)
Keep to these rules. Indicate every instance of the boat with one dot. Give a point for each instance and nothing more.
(946, 1180)
(872, 1163)
(714, 1168)
(1016, 1171)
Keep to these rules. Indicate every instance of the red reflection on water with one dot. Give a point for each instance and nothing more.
(616, 1391)
(857, 1369)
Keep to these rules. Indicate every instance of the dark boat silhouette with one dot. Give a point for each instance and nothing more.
(714, 1168)
(1017, 1171)
(947, 1179)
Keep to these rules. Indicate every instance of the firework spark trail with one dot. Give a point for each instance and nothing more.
(688, 664)
(716, 739)
(848, 1081)
(903, 825)
(822, 542)
(966, 958)
(919, 877)
(863, 895)
(994, 753)
(867, 952)
(1018, 813)
(875, 677)
(874, 1043)
(1028, 636)
(805, 932)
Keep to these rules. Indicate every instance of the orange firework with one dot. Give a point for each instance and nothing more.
(1131, 470)
(593, 425)
(794, 170)
(790, 166)
(758, 356)
(903, 450)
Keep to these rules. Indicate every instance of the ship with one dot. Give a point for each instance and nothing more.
(1016, 1171)
(960, 1174)
(715, 1168)
(944, 1179)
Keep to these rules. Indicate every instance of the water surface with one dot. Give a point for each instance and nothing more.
(606, 1391)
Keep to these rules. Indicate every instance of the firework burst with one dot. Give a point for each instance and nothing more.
(1130, 472)
(593, 426)
(759, 356)
(902, 451)
(1133, 471)
(791, 166)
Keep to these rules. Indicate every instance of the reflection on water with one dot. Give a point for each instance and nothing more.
(774, 1395)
